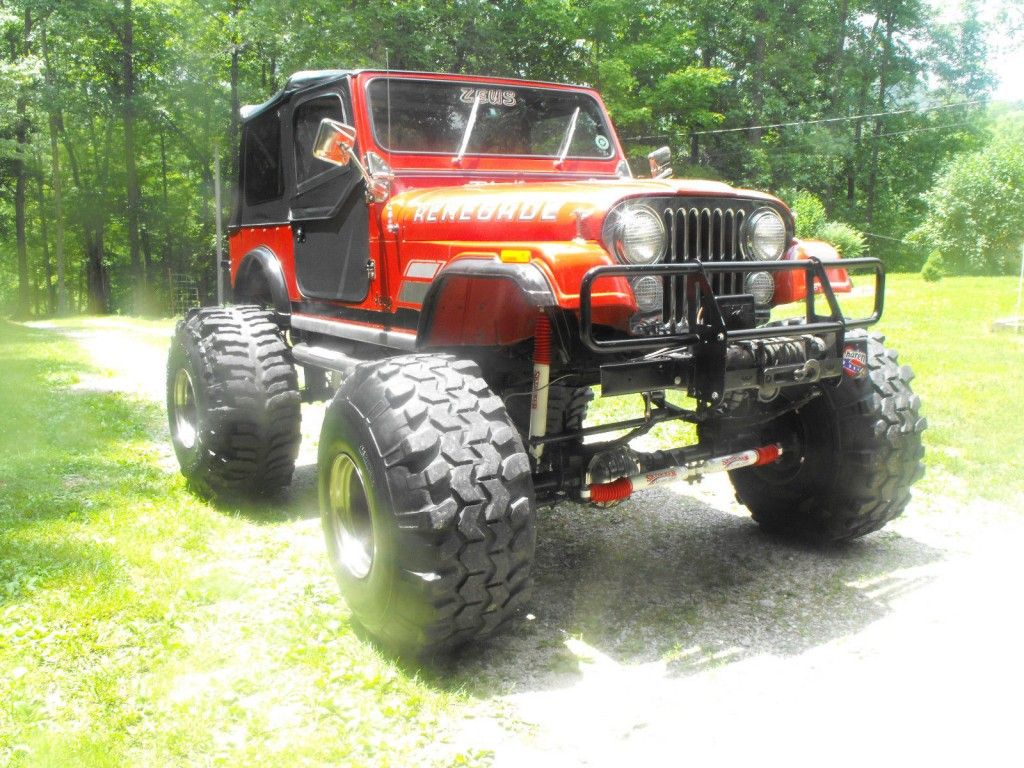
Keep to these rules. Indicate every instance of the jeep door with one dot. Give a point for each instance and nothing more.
(328, 211)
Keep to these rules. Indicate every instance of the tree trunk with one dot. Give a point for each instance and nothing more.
(858, 127)
(147, 256)
(707, 56)
(96, 277)
(58, 212)
(869, 212)
(21, 182)
(24, 292)
(837, 59)
(165, 256)
(56, 183)
(96, 274)
(858, 132)
(760, 19)
(44, 232)
(131, 171)
(236, 104)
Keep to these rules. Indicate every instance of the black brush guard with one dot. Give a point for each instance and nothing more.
(699, 353)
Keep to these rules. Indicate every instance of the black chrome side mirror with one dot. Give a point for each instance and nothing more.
(336, 144)
(660, 161)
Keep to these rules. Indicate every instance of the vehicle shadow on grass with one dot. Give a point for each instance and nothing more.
(298, 501)
(675, 580)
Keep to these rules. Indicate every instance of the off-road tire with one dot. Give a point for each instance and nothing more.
(446, 519)
(243, 433)
(852, 455)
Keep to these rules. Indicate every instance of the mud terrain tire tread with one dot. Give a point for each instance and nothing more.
(455, 524)
(248, 400)
(872, 455)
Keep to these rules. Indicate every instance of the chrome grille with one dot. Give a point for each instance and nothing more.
(708, 233)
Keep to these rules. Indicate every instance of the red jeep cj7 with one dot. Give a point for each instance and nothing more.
(470, 256)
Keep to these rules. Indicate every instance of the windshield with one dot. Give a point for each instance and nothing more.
(434, 116)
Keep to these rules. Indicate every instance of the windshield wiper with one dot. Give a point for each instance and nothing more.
(563, 150)
(470, 124)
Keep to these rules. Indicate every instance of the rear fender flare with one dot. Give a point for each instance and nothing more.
(261, 264)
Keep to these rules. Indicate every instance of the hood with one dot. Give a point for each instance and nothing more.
(563, 210)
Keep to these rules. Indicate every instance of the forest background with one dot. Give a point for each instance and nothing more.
(873, 118)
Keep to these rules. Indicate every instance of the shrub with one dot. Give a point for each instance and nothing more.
(848, 241)
(933, 270)
(810, 215)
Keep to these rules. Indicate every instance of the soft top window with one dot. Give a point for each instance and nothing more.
(262, 171)
(432, 116)
(308, 116)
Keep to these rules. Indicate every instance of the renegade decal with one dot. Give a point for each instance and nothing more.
(486, 211)
(854, 362)
(490, 96)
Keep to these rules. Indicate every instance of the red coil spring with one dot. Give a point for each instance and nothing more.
(767, 454)
(614, 491)
(542, 341)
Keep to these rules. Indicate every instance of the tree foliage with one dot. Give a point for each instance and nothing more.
(973, 225)
(113, 111)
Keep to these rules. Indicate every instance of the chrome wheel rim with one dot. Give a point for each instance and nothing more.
(349, 516)
(186, 411)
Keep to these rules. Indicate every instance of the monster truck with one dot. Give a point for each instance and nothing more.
(470, 256)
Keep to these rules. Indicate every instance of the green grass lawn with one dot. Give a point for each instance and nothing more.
(141, 626)
(970, 379)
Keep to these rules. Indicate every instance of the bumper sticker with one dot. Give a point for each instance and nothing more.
(855, 362)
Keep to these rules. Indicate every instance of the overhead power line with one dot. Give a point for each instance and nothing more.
(817, 121)
(717, 154)
(960, 124)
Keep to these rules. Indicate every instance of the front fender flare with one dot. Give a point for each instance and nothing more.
(526, 280)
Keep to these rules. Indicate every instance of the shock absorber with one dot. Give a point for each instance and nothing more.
(541, 377)
(664, 467)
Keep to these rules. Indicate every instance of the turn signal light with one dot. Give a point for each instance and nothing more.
(515, 256)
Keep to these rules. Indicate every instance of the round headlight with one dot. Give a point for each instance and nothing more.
(648, 292)
(638, 235)
(761, 286)
(764, 235)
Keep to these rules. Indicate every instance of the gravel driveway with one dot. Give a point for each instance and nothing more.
(669, 630)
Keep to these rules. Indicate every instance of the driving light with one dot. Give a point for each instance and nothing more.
(764, 237)
(761, 286)
(637, 235)
(648, 292)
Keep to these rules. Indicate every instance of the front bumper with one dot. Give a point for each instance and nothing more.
(696, 349)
